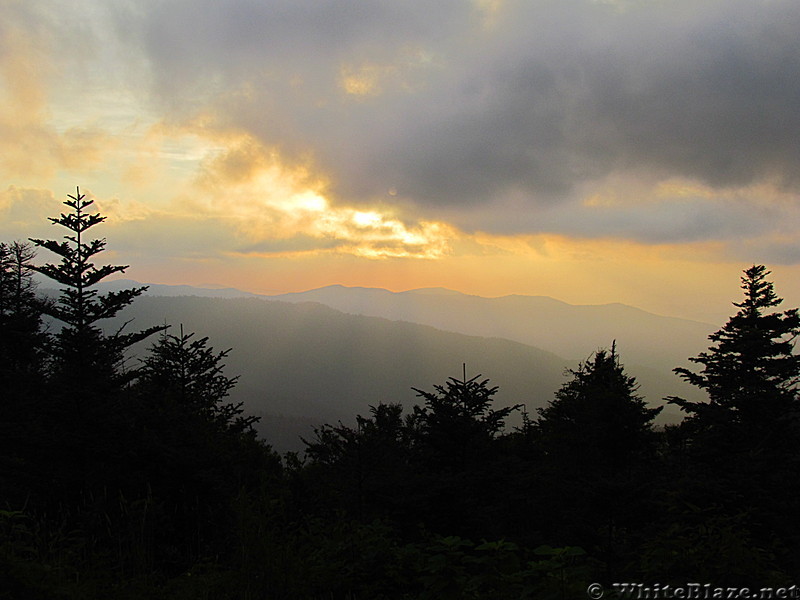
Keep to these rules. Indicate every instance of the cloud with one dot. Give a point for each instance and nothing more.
(38, 48)
(432, 102)
(280, 209)
(501, 116)
(24, 210)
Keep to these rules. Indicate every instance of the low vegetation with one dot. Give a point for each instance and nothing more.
(141, 479)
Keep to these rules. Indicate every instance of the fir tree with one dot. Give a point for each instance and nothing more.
(598, 448)
(750, 372)
(189, 373)
(597, 420)
(457, 422)
(741, 444)
(22, 351)
(21, 337)
(84, 355)
(365, 468)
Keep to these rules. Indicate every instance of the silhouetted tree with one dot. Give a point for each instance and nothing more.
(597, 444)
(21, 337)
(457, 423)
(83, 445)
(23, 344)
(84, 356)
(597, 420)
(200, 454)
(365, 468)
(188, 372)
(108, 482)
(458, 456)
(740, 447)
(750, 372)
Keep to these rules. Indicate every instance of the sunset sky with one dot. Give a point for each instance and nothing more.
(635, 151)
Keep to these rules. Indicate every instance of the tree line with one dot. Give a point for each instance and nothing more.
(141, 479)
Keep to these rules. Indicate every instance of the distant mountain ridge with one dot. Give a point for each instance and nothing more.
(160, 289)
(571, 331)
(305, 364)
(327, 354)
(568, 330)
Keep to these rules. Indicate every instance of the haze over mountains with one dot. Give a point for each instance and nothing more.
(327, 354)
(571, 331)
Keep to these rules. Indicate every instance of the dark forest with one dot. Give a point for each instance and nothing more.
(139, 478)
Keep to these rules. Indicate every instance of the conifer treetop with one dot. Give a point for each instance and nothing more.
(751, 365)
(758, 292)
(82, 344)
(80, 306)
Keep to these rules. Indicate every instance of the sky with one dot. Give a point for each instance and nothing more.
(595, 151)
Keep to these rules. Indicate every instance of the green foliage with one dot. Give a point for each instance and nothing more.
(564, 572)
(455, 568)
(707, 544)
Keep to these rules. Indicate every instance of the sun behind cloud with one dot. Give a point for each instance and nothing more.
(272, 206)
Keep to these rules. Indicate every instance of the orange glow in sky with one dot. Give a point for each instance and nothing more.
(276, 151)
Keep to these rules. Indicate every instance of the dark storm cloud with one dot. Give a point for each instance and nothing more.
(474, 108)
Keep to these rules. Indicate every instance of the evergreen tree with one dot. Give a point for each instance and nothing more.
(85, 411)
(84, 356)
(738, 459)
(457, 424)
(22, 352)
(598, 448)
(21, 337)
(365, 468)
(458, 455)
(187, 372)
(199, 452)
(750, 372)
(597, 420)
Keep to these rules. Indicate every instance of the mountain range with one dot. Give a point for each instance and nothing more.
(327, 354)
(570, 331)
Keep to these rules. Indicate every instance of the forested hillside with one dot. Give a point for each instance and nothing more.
(311, 361)
(306, 363)
(125, 477)
(563, 329)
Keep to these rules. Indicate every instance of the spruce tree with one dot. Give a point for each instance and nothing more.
(741, 444)
(365, 469)
(750, 373)
(457, 454)
(189, 373)
(597, 420)
(457, 424)
(21, 337)
(84, 356)
(598, 451)
(22, 351)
